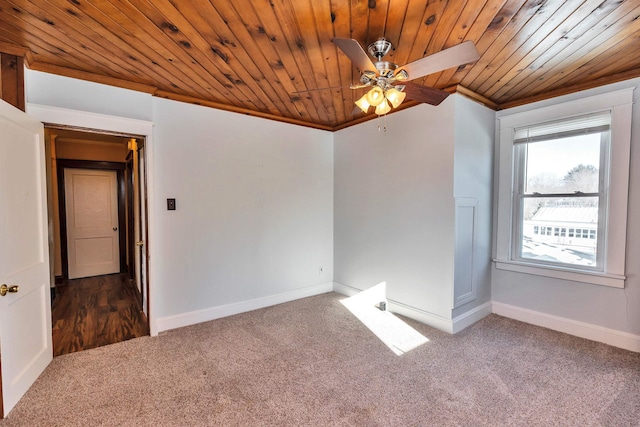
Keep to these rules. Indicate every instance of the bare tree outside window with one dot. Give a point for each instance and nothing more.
(582, 178)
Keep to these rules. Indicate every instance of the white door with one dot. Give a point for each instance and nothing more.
(25, 315)
(141, 230)
(91, 204)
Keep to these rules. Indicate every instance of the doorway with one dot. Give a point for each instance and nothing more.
(98, 218)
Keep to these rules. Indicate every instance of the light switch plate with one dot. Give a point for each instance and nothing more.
(171, 204)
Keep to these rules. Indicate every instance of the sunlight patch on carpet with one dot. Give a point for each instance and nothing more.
(392, 331)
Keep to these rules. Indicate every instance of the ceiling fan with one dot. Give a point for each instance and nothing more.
(390, 83)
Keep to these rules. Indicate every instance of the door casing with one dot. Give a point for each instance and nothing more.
(65, 118)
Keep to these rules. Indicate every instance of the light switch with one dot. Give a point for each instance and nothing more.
(171, 204)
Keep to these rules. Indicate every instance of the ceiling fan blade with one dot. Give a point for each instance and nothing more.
(426, 94)
(360, 86)
(356, 54)
(352, 86)
(455, 56)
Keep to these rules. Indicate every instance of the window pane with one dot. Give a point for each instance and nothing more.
(563, 165)
(557, 213)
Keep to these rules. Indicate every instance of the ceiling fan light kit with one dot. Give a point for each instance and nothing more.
(383, 108)
(375, 96)
(363, 104)
(383, 100)
(395, 96)
(382, 76)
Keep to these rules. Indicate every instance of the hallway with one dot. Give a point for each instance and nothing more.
(95, 311)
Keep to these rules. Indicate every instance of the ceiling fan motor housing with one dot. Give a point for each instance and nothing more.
(379, 48)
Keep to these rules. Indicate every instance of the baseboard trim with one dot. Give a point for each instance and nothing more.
(472, 316)
(588, 331)
(585, 330)
(345, 290)
(430, 319)
(207, 314)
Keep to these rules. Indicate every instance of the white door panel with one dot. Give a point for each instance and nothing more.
(144, 251)
(91, 203)
(25, 316)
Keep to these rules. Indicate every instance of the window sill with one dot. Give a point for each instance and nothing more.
(594, 278)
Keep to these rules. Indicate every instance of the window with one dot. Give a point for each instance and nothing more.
(535, 229)
(561, 176)
(566, 165)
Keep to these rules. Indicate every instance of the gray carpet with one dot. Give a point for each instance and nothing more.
(312, 363)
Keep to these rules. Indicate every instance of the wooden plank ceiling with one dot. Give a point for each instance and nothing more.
(256, 56)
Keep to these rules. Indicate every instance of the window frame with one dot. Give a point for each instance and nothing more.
(520, 154)
(619, 103)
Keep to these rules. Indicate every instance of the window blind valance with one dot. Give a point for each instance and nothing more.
(564, 128)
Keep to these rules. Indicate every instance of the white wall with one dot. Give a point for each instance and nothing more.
(254, 213)
(394, 202)
(254, 216)
(473, 177)
(256, 204)
(592, 306)
(73, 94)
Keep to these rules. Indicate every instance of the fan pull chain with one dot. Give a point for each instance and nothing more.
(382, 128)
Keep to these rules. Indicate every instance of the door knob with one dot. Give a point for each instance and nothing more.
(115, 228)
(10, 289)
(140, 243)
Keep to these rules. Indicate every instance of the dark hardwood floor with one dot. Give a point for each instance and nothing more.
(95, 311)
